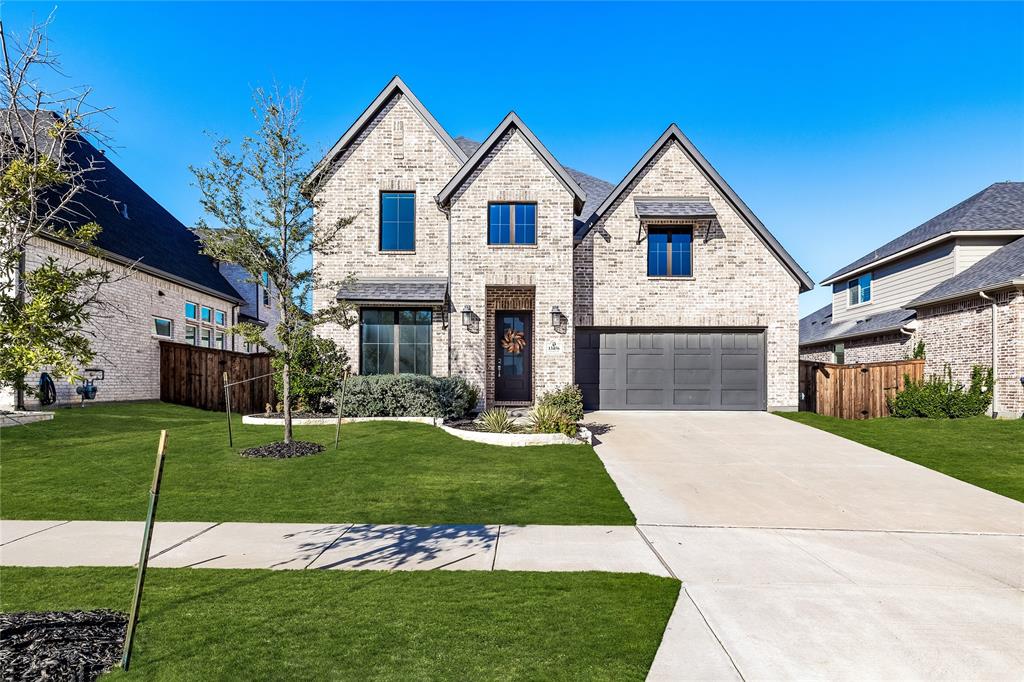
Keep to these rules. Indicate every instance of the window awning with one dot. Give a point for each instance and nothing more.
(659, 209)
(392, 290)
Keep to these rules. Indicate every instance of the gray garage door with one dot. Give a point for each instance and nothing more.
(684, 369)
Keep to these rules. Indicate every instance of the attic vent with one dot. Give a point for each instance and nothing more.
(398, 139)
(124, 210)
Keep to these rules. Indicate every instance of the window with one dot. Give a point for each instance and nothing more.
(860, 289)
(162, 327)
(840, 352)
(266, 288)
(395, 341)
(190, 311)
(219, 318)
(205, 338)
(512, 224)
(397, 221)
(219, 340)
(669, 252)
(191, 334)
(205, 314)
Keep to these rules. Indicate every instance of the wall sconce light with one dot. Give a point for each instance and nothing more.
(467, 317)
(556, 316)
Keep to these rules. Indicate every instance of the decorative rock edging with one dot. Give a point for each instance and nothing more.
(506, 439)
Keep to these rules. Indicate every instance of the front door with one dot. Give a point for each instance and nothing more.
(513, 350)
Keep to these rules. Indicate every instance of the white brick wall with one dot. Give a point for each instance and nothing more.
(122, 336)
(737, 281)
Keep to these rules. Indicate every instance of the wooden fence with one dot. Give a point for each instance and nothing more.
(194, 376)
(854, 391)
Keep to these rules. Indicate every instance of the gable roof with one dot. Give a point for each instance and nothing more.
(136, 229)
(395, 85)
(513, 121)
(818, 327)
(674, 133)
(999, 206)
(1003, 267)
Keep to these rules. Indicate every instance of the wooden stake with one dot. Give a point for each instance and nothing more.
(227, 407)
(337, 430)
(147, 538)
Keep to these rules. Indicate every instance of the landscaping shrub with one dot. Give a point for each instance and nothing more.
(316, 368)
(408, 395)
(568, 400)
(550, 419)
(497, 420)
(941, 398)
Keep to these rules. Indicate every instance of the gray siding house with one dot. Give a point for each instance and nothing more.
(493, 261)
(955, 283)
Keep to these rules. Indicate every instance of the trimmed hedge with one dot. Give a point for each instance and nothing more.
(940, 398)
(408, 395)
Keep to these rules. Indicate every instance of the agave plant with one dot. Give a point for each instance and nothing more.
(497, 420)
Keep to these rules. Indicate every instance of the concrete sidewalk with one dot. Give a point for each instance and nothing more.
(330, 546)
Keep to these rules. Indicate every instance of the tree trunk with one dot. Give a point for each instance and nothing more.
(286, 389)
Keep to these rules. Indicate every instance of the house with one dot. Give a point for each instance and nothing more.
(494, 261)
(954, 284)
(163, 288)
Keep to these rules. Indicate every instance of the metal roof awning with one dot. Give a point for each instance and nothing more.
(660, 209)
(393, 290)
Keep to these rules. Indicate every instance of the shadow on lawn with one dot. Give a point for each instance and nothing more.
(404, 547)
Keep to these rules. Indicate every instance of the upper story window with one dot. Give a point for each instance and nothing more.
(190, 310)
(206, 314)
(266, 287)
(219, 318)
(398, 221)
(860, 289)
(162, 327)
(512, 224)
(669, 252)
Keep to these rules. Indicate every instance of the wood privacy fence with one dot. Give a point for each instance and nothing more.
(854, 391)
(194, 376)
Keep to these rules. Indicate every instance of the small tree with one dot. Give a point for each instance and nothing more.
(264, 211)
(45, 170)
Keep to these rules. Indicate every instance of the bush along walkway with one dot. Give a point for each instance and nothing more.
(330, 546)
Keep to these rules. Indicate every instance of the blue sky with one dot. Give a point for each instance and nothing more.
(841, 125)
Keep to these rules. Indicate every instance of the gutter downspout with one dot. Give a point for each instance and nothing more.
(995, 338)
(448, 297)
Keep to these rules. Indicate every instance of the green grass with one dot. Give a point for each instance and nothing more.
(988, 453)
(96, 463)
(313, 625)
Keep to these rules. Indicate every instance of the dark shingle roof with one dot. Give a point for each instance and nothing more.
(395, 290)
(819, 328)
(1001, 268)
(997, 207)
(149, 234)
(674, 208)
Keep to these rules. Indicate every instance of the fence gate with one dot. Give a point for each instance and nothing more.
(854, 391)
(191, 375)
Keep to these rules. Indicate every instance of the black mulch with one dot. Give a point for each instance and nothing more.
(60, 645)
(297, 448)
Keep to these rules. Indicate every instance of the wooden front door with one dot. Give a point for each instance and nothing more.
(513, 380)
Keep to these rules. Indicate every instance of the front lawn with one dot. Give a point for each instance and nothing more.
(212, 624)
(988, 453)
(97, 462)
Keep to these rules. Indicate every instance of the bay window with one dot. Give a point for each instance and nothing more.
(395, 341)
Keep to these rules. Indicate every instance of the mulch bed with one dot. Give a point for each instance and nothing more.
(297, 448)
(60, 645)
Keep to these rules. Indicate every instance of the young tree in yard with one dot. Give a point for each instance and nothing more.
(44, 173)
(256, 196)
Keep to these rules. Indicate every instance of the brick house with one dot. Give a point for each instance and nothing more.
(954, 283)
(163, 288)
(493, 261)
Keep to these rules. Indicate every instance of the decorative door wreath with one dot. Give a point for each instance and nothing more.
(513, 342)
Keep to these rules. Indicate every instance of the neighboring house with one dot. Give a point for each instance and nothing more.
(493, 261)
(164, 289)
(261, 305)
(955, 283)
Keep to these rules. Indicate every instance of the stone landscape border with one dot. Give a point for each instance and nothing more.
(504, 439)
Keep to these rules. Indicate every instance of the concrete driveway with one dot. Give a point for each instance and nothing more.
(805, 555)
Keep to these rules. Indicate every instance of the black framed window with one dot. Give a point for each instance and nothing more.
(398, 221)
(670, 252)
(512, 224)
(395, 340)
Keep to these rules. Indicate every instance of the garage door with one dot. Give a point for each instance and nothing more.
(684, 369)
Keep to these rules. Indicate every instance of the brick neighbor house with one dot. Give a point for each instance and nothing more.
(164, 289)
(494, 261)
(955, 283)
